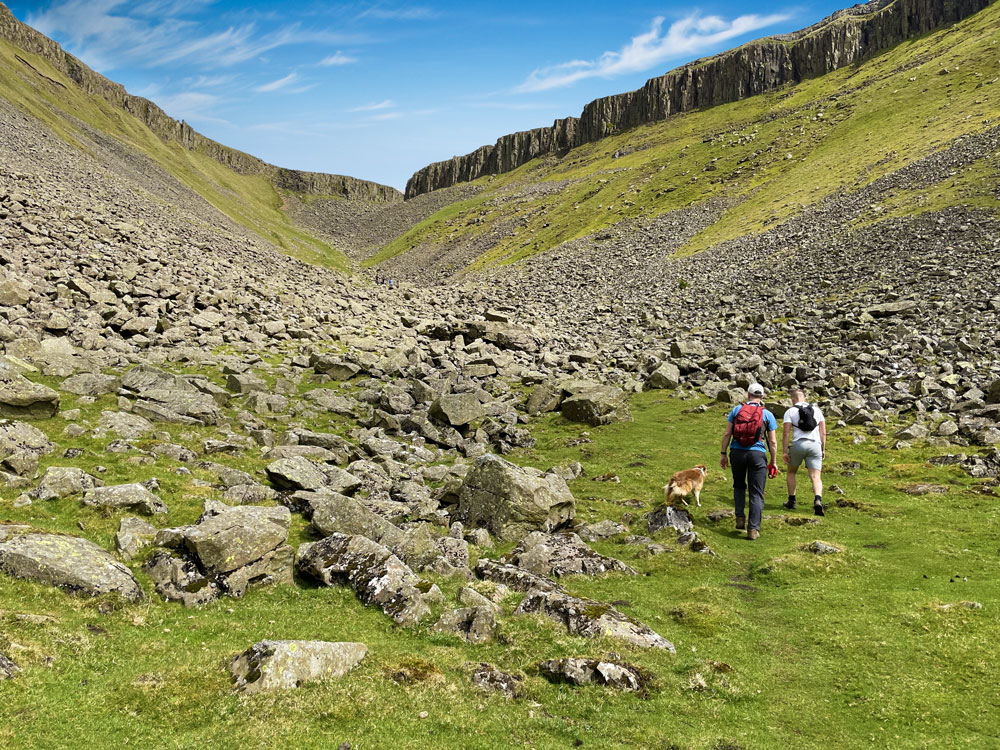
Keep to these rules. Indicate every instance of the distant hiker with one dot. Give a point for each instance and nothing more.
(748, 426)
(392, 283)
(806, 425)
(378, 280)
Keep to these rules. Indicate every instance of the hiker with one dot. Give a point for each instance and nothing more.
(806, 425)
(748, 426)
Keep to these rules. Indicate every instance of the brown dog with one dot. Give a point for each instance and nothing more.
(685, 483)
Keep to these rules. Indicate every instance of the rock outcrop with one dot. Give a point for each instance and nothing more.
(847, 37)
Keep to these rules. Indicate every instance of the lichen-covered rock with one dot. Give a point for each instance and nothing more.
(21, 445)
(473, 624)
(490, 679)
(371, 570)
(513, 576)
(178, 579)
(90, 384)
(591, 619)
(125, 496)
(592, 672)
(336, 513)
(296, 473)
(597, 406)
(75, 565)
(20, 398)
(283, 665)
(669, 517)
(458, 409)
(133, 536)
(595, 532)
(125, 425)
(228, 538)
(562, 554)
(8, 669)
(822, 548)
(665, 377)
(511, 501)
(63, 481)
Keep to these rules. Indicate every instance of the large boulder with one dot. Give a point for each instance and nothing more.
(591, 619)
(75, 565)
(90, 384)
(283, 665)
(225, 552)
(63, 481)
(458, 409)
(513, 576)
(511, 501)
(20, 398)
(602, 405)
(667, 376)
(562, 554)
(371, 570)
(296, 473)
(134, 496)
(125, 425)
(336, 513)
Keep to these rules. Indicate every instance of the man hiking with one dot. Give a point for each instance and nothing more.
(805, 424)
(748, 426)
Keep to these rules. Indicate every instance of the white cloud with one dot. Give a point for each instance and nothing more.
(386, 104)
(687, 36)
(108, 34)
(413, 13)
(382, 117)
(192, 106)
(278, 84)
(338, 58)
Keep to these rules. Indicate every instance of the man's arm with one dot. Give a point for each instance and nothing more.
(727, 436)
(822, 437)
(772, 445)
(785, 430)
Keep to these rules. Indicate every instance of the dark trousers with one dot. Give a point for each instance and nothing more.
(749, 470)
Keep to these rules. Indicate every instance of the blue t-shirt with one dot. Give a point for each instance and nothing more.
(769, 420)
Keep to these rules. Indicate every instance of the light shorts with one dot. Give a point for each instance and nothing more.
(809, 450)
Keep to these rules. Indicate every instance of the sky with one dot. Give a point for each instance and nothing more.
(377, 90)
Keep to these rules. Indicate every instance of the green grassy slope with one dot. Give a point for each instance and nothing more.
(769, 156)
(852, 650)
(251, 201)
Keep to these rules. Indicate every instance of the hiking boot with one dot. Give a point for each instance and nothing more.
(753, 534)
(818, 508)
(789, 505)
(741, 523)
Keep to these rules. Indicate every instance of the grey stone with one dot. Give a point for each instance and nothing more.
(133, 536)
(597, 406)
(511, 501)
(63, 481)
(473, 624)
(490, 679)
(513, 576)
(666, 376)
(669, 517)
(296, 473)
(8, 669)
(20, 398)
(284, 665)
(122, 496)
(90, 384)
(377, 576)
(591, 619)
(559, 555)
(595, 532)
(125, 425)
(73, 564)
(458, 409)
(822, 548)
(577, 671)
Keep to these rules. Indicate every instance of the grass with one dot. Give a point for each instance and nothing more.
(766, 158)
(849, 649)
(251, 201)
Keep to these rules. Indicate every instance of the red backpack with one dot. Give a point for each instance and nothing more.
(748, 427)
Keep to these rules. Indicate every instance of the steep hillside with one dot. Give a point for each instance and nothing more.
(847, 37)
(100, 117)
(757, 161)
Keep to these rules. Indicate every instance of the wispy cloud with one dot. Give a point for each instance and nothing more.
(386, 104)
(109, 34)
(338, 58)
(687, 36)
(410, 13)
(193, 106)
(278, 84)
(383, 116)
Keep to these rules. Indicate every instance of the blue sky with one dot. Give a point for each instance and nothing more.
(379, 89)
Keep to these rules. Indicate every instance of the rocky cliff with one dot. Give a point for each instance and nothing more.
(846, 37)
(169, 129)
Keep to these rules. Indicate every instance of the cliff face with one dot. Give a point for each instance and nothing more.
(169, 129)
(846, 37)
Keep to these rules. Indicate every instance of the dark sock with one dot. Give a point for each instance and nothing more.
(818, 499)
(791, 498)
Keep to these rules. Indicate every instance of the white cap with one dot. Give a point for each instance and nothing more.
(756, 389)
